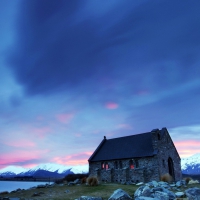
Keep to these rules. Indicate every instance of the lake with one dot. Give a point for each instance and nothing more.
(13, 185)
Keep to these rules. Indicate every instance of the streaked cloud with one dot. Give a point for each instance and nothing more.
(74, 159)
(111, 105)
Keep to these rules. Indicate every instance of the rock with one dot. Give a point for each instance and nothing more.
(89, 198)
(172, 185)
(178, 184)
(153, 190)
(128, 182)
(144, 198)
(140, 183)
(123, 182)
(76, 181)
(119, 194)
(41, 186)
(71, 183)
(183, 182)
(193, 193)
(171, 195)
(143, 191)
(180, 194)
(161, 195)
(35, 194)
(154, 183)
(193, 182)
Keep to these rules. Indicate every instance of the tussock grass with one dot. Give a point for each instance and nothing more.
(187, 179)
(92, 181)
(166, 178)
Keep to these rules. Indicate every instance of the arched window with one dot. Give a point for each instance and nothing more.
(102, 165)
(116, 165)
(131, 165)
(106, 165)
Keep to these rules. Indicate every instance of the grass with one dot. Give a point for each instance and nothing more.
(58, 192)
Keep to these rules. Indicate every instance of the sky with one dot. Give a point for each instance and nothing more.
(72, 72)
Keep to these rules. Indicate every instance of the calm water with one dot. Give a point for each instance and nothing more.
(13, 185)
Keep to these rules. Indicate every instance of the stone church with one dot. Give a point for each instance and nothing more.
(138, 158)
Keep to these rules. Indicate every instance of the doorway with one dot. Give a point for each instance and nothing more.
(171, 167)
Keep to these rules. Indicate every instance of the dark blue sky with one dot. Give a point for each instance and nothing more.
(74, 71)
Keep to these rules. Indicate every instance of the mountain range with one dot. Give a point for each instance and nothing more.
(43, 171)
(190, 165)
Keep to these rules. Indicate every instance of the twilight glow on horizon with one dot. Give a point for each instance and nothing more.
(74, 71)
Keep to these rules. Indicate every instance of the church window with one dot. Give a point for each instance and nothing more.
(131, 165)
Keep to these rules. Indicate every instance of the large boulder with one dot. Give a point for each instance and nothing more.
(180, 194)
(120, 194)
(144, 191)
(193, 193)
(161, 195)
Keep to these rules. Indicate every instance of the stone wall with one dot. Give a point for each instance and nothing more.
(145, 170)
(166, 151)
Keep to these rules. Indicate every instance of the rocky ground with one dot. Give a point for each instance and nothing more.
(142, 191)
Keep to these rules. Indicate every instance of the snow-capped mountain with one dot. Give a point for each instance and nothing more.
(191, 165)
(44, 170)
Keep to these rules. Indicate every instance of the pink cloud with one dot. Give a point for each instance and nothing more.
(75, 159)
(64, 118)
(78, 135)
(20, 157)
(124, 126)
(20, 143)
(111, 105)
(187, 148)
(41, 132)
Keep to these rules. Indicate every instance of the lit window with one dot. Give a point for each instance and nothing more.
(107, 166)
(102, 165)
(131, 164)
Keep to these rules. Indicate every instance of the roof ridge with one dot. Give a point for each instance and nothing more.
(128, 136)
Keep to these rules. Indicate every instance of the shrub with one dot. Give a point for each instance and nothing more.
(187, 179)
(73, 177)
(166, 178)
(92, 181)
(83, 180)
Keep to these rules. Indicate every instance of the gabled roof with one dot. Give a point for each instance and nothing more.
(132, 146)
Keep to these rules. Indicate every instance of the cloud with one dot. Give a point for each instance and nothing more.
(187, 148)
(74, 159)
(111, 105)
(41, 132)
(21, 157)
(68, 45)
(20, 143)
(64, 118)
(186, 139)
